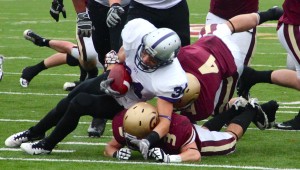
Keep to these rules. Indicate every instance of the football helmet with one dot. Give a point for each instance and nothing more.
(190, 94)
(162, 44)
(140, 119)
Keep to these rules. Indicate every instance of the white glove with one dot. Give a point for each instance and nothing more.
(84, 25)
(159, 155)
(105, 87)
(143, 146)
(111, 58)
(113, 15)
(122, 154)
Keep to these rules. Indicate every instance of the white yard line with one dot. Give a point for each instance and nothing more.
(144, 163)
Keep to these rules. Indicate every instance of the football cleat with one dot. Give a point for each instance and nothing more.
(293, 124)
(261, 119)
(69, 86)
(36, 148)
(270, 109)
(24, 82)
(33, 37)
(1, 66)
(97, 127)
(17, 139)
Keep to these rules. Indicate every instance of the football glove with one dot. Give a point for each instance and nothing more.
(84, 25)
(113, 15)
(56, 8)
(105, 87)
(122, 154)
(111, 58)
(159, 155)
(143, 146)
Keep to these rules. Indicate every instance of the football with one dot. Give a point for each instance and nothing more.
(121, 78)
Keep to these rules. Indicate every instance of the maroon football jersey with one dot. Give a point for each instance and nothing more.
(229, 8)
(291, 14)
(210, 60)
(180, 134)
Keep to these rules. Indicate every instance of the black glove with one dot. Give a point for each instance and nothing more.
(159, 155)
(84, 25)
(56, 8)
(113, 15)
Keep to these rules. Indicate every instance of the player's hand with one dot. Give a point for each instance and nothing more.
(111, 58)
(159, 155)
(123, 154)
(105, 87)
(143, 146)
(56, 8)
(84, 25)
(113, 15)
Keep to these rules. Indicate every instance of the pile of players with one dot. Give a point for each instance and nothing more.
(198, 80)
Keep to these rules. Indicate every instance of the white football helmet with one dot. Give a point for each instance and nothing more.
(140, 119)
(162, 44)
(190, 94)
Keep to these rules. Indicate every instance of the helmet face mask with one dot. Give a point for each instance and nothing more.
(161, 44)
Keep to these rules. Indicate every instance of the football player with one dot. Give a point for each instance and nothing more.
(184, 141)
(220, 11)
(68, 53)
(150, 56)
(288, 34)
(164, 13)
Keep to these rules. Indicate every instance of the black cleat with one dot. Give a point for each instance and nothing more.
(293, 124)
(270, 109)
(97, 127)
(33, 37)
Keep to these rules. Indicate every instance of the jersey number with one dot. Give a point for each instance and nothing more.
(209, 66)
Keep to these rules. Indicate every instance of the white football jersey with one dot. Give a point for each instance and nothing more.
(159, 4)
(167, 82)
(106, 2)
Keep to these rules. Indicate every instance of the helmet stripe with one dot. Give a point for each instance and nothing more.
(161, 39)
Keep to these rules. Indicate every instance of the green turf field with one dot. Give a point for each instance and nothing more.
(21, 108)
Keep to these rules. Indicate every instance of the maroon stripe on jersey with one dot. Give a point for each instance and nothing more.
(291, 37)
(251, 47)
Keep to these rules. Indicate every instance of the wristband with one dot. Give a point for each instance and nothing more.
(153, 137)
(175, 158)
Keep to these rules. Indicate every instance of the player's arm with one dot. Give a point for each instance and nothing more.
(165, 110)
(115, 149)
(246, 22)
(190, 152)
(111, 147)
(79, 6)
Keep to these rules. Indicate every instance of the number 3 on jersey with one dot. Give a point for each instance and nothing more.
(209, 66)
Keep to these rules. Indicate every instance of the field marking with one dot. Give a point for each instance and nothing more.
(37, 94)
(19, 150)
(83, 143)
(144, 163)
